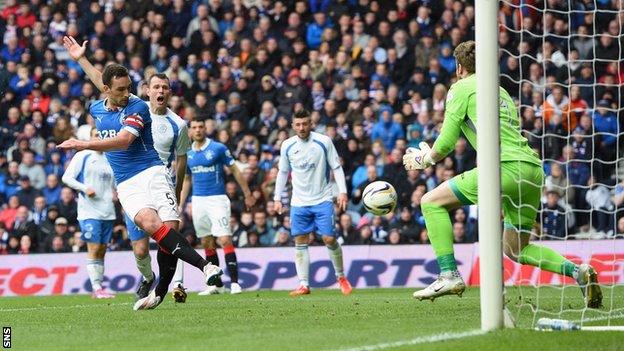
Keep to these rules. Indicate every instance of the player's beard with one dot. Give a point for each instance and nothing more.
(304, 135)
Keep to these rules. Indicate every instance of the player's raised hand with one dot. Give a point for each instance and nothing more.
(73, 144)
(90, 192)
(342, 201)
(277, 205)
(75, 50)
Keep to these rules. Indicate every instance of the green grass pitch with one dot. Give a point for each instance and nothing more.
(372, 319)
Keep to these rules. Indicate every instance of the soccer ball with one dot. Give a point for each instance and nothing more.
(379, 198)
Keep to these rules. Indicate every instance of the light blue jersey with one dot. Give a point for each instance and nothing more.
(135, 118)
(205, 164)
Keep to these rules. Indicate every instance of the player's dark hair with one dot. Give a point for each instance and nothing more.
(198, 120)
(465, 54)
(303, 113)
(159, 76)
(113, 71)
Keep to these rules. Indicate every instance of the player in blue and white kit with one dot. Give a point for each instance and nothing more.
(91, 176)
(144, 187)
(171, 141)
(211, 206)
(310, 157)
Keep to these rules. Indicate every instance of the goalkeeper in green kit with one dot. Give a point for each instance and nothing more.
(521, 181)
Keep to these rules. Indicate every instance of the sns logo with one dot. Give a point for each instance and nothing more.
(6, 337)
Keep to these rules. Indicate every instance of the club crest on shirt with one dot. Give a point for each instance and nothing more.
(209, 154)
(162, 129)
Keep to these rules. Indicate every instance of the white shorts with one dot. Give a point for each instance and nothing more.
(153, 189)
(211, 215)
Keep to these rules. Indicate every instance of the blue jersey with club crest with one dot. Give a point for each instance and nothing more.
(135, 118)
(206, 164)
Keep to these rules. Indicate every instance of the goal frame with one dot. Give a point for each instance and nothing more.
(488, 157)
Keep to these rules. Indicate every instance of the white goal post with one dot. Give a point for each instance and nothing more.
(488, 158)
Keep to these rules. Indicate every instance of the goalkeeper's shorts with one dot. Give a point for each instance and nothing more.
(521, 185)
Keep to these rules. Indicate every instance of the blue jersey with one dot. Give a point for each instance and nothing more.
(135, 118)
(205, 164)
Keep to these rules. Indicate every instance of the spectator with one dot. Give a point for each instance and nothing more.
(386, 130)
(52, 190)
(58, 242)
(8, 213)
(39, 211)
(366, 236)
(24, 226)
(407, 226)
(599, 199)
(11, 181)
(68, 208)
(553, 217)
(28, 168)
(26, 193)
(558, 182)
(346, 232)
(265, 233)
(459, 233)
(46, 228)
(575, 108)
(315, 30)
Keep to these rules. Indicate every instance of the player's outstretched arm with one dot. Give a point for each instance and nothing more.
(121, 142)
(77, 53)
(249, 199)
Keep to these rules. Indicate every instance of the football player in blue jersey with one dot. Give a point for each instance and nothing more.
(210, 205)
(144, 187)
(171, 141)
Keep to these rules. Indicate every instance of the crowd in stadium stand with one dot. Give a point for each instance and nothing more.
(375, 75)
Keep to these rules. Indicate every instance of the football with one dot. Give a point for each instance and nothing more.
(379, 198)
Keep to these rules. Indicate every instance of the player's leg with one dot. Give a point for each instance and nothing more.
(324, 225)
(140, 248)
(97, 234)
(179, 291)
(436, 204)
(302, 224)
(231, 262)
(149, 200)
(202, 223)
(220, 218)
(521, 185)
(209, 243)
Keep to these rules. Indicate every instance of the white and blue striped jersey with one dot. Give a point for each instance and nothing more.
(206, 164)
(171, 139)
(90, 169)
(134, 118)
(310, 163)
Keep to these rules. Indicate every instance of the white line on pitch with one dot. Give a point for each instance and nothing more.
(600, 318)
(61, 307)
(418, 340)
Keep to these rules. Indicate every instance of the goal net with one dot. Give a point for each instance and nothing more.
(562, 62)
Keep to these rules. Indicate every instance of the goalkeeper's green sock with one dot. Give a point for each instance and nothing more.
(440, 232)
(546, 259)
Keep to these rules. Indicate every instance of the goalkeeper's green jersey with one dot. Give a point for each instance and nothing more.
(461, 115)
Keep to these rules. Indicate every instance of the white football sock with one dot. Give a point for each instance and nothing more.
(178, 276)
(302, 263)
(145, 267)
(335, 254)
(95, 270)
